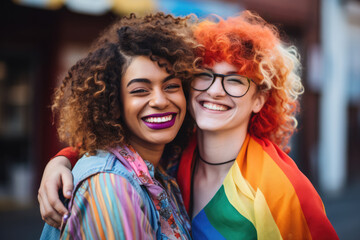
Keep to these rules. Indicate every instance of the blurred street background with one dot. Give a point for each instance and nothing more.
(41, 39)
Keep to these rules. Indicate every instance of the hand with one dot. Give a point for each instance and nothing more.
(57, 175)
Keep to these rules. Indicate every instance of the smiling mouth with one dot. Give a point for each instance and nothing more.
(214, 107)
(160, 121)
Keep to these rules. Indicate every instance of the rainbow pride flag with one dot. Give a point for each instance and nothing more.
(264, 196)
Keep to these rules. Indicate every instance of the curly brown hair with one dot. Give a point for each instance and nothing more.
(88, 103)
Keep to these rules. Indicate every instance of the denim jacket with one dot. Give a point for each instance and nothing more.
(106, 162)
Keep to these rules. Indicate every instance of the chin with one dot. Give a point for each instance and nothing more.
(208, 126)
(208, 129)
(165, 139)
(162, 141)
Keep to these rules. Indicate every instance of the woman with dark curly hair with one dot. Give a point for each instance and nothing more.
(125, 103)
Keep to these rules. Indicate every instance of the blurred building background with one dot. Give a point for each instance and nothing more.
(41, 39)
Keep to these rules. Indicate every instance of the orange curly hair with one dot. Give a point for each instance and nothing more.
(88, 103)
(254, 46)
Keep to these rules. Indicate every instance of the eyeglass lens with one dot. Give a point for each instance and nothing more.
(233, 84)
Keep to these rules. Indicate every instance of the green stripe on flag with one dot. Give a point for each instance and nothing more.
(227, 220)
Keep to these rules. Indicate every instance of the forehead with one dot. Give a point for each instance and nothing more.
(222, 67)
(144, 67)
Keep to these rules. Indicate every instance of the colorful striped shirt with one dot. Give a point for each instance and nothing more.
(107, 205)
(140, 202)
(264, 196)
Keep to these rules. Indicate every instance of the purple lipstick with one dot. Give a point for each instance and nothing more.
(160, 120)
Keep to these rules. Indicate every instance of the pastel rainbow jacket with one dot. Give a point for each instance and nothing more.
(264, 196)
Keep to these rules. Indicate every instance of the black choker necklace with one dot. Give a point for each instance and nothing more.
(216, 164)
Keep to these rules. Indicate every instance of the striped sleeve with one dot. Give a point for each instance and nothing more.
(106, 206)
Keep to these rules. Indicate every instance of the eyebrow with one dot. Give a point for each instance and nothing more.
(138, 80)
(145, 80)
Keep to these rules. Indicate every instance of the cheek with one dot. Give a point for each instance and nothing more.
(192, 101)
(180, 101)
(182, 107)
(183, 103)
(191, 106)
(244, 108)
(126, 113)
(192, 98)
(130, 108)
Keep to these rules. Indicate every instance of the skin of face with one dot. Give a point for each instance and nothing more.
(154, 104)
(215, 111)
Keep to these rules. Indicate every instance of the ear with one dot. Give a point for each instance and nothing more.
(260, 99)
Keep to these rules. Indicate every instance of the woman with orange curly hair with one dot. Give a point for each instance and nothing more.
(236, 180)
(125, 103)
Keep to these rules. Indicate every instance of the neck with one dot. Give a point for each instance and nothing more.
(218, 147)
(148, 152)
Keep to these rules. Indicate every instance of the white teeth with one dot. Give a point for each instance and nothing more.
(158, 119)
(215, 107)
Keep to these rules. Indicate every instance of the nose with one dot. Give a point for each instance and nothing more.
(159, 100)
(216, 89)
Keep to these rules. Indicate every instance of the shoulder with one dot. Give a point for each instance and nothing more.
(107, 204)
(290, 182)
(269, 152)
(107, 191)
(268, 161)
(99, 160)
(102, 162)
(286, 188)
(107, 186)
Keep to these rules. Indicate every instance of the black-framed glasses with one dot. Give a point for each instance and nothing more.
(234, 85)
